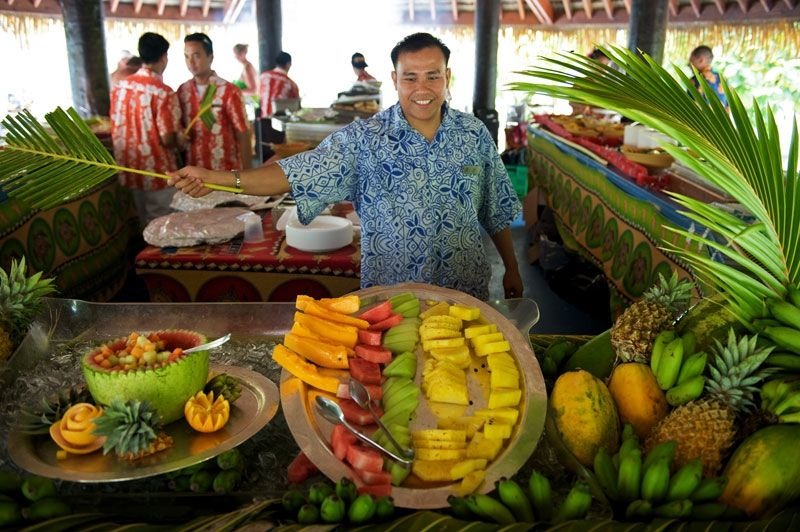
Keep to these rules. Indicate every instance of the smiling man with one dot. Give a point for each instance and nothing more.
(424, 178)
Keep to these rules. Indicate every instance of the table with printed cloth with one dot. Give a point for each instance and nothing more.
(602, 213)
(236, 271)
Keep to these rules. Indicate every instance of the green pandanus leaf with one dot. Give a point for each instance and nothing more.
(204, 112)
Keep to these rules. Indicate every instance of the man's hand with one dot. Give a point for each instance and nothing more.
(512, 284)
(190, 180)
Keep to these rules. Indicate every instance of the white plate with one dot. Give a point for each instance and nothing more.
(324, 233)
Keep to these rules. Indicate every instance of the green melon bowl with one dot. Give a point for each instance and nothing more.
(166, 388)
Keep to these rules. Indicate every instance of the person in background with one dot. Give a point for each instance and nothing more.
(127, 66)
(145, 124)
(226, 144)
(701, 59)
(276, 84)
(424, 179)
(248, 79)
(360, 68)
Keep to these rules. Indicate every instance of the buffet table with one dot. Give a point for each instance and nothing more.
(237, 271)
(617, 224)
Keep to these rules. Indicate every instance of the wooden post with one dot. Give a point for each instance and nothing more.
(269, 22)
(487, 25)
(648, 27)
(86, 53)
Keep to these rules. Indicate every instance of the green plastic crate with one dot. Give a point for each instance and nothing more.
(519, 179)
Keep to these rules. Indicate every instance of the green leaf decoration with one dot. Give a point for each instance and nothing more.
(737, 154)
(204, 113)
(44, 171)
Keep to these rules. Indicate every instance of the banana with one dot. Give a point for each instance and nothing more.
(785, 312)
(665, 449)
(630, 474)
(790, 403)
(772, 392)
(692, 366)
(459, 507)
(787, 361)
(511, 495)
(785, 337)
(709, 489)
(760, 323)
(794, 417)
(628, 433)
(670, 364)
(489, 509)
(674, 509)
(541, 496)
(655, 481)
(639, 509)
(606, 473)
(689, 341)
(576, 504)
(685, 480)
(362, 509)
(794, 296)
(661, 341)
(688, 391)
(559, 350)
(708, 511)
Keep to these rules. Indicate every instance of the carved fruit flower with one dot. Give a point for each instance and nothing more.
(206, 414)
(74, 431)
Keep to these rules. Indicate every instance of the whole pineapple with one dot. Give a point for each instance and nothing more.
(132, 430)
(20, 301)
(707, 428)
(634, 332)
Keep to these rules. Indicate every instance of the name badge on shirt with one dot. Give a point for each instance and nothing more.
(471, 170)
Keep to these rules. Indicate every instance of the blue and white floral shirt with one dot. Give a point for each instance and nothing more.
(421, 203)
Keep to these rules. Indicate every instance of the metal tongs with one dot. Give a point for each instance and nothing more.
(209, 345)
(330, 410)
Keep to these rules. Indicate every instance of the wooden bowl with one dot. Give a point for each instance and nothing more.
(651, 161)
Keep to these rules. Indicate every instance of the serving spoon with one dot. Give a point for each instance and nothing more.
(360, 394)
(209, 345)
(330, 410)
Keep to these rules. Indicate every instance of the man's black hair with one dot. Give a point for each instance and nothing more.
(203, 39)
(283, 59)
(597, 53)
(151, 47)
(703, 51)
(416, 42)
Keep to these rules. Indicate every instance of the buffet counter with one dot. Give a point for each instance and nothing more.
(236, 271)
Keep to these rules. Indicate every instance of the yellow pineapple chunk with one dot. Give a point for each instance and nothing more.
(433, 470)
(477, 330)
(492, 347)
(449, 392)
(501, 358)
(500, 397)
(427, 345)
(434, 333)
(469, 424)
(470, 483)
(442, 308)
(458, 356)
(423, 453)
(487, 339)
(440, 410)
(439, 444)
(443, 322)
(506, 416)
(465, 467)
(482, 447)
(439, 434)
(496, 431)
(465, 313)
(501, 378)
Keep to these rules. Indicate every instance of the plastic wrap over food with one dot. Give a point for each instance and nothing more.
(203, 226)
(219, 198)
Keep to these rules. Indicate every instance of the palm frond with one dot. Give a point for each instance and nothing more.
(43, 171)
(738, 155)
(204, 110)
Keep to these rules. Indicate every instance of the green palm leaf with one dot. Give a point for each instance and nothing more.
(204, 112)
(43, 171)
(736, 154)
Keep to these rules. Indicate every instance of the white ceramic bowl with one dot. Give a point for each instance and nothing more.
(324, 233)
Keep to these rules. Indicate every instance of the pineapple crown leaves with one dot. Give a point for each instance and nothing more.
(737, 154)
(129, 426)
(20, 296)
(736, 371)
(673, 293)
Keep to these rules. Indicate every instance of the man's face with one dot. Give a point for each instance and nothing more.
(421, 79)
(197, 60)
(700, 62)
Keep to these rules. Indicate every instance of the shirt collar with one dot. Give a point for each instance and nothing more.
(399, 119)
(147, 71)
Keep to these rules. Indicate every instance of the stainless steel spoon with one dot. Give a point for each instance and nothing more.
(329, 409)
(209, 345)
(360, 394)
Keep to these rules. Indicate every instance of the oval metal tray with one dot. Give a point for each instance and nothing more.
(312, 432)
(250, 413)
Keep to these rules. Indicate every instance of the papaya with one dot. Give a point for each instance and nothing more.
(595, 356)
(584, 415)
(639, 399)
(764, 473)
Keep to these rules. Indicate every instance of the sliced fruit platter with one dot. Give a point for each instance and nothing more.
(148, 407)
(449, 377)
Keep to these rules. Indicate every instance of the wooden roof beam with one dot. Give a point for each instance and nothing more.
(36, 3)
(695, 7)
(454, 8)
(411, 10)
(206, 7)
(768, 4)
(567, 9)
(137, 6)
(587, 8)
(232, 10)
(521, 9)
(184, 5)
(744, 5)
(609, 8)
(160, 7)
(432, 4)
(627, 4)
(673, 7)
(543, 10)
(790, 3)
(720, 6)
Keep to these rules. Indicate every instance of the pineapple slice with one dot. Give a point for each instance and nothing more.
(482, 447)
(423, 453)
(478, 330)
(465, 467)
(470, 483)
(439, 444)
(444, 322)
(501, 378)
(500, 397)
(431, 332)
(465, 313)
(450, 392)
(506, 416)
(496, 431)
(492, 347)
(501, 358)
(469, 424)
(439, 309)
(439, 434)
(427, 345)
(458, 356)
(487, 339)
(433, 470)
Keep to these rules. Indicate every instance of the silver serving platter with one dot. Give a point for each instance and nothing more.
(312, 432)
(249, 414)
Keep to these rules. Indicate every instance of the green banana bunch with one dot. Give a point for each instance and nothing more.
(685, 480)
(541, 495)
(556, 353)
(459, 507)
(660, 343)
(664, 450)
(362, 509)
(786, 337)
(575, 505)
(638, 510)
(630, 474)
(709, 489)
(512, 495)
(789, 362)
(674, 509)
(785, 312)
(794, 296)
(669, 365)
(655, 480)
(606, 473)
(682, 393)
(692, 366)
(708, 511)
(689, 341)
(781, 397)
(489, 509)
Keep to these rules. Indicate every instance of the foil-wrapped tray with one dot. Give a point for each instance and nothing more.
(312, 432)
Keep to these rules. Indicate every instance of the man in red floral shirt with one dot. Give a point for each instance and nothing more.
(225, 143)
(145, 123)
(276, 84)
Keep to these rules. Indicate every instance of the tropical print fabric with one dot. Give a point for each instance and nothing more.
(421, 204)
(217, 148)
(143, 109)
(715, 82)
(273, 85)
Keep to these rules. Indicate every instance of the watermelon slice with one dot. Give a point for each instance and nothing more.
(372, 477)
(302, 468)
(363, 459)
(374, 354)
(377, 490)
(341, 440)
(377, 312)
(365, 371)
(367, 337)
(375, 391)
(387, 323)
(355, 414)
